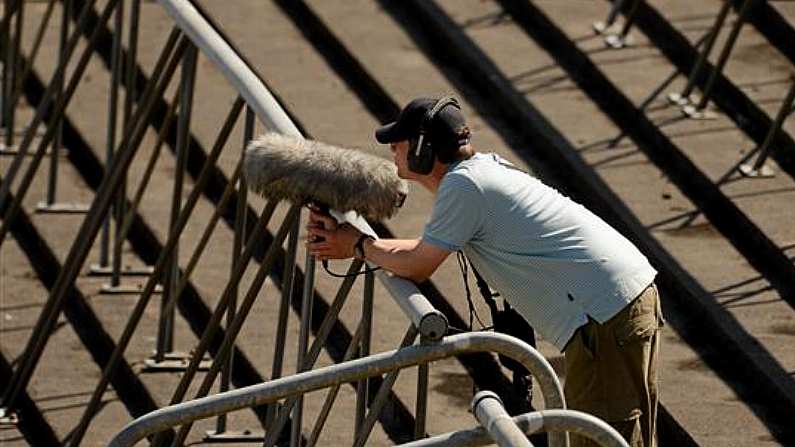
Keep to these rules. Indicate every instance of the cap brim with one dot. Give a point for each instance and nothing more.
(388, 133)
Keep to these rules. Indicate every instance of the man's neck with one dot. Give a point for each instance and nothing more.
(432, 181)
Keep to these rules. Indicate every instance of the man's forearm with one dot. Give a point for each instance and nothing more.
(401, 257)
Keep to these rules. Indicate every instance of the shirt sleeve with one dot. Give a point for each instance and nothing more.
(457, 213)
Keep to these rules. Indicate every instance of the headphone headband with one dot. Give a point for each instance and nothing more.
(430, 114)
(421, 155)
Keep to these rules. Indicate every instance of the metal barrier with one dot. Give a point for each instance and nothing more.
(187, 412)
(192, 37)
(582, 424)
(491, 414)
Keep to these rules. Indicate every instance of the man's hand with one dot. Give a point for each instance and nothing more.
(328, 240)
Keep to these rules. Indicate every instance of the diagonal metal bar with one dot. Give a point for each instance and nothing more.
(150, 168)
(314, 352)
(61, 103)
(377, 405)
(28, 67)
(90, 226)
(219, 144)
(50, 94)
(212, 325)
(328, 403)
(233, 329)
(373, 365)
(87, 326)
(140, 307)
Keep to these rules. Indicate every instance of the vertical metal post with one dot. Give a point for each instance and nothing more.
(129, 99)
(58, 140)
(724, 56)
(362, 388)
(630, 19)
(12, 59)
(160, 265)
(110, 143)
(5, 97)
(284, 310)
(758, 168)
(421, 412)
(165, 334)
(383, 392)
(601, 27)
(46, 103)
(233, 330)
(237, 248)
(620, 40)
(131, 64)
(684, 97)
(303, 342)
(90, 227)
(121, 195)
(310, 358)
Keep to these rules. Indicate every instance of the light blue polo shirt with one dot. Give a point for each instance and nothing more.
(553, 260)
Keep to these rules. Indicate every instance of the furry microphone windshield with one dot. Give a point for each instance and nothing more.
(281, 167)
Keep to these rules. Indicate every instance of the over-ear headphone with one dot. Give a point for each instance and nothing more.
(421, 155)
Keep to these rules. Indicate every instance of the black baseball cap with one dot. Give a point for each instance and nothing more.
(445, 127)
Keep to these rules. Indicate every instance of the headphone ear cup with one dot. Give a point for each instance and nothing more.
(420, 156)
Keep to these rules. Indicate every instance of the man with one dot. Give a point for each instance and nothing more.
(577, 281)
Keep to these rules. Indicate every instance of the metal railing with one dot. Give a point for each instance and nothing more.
(375, 364)
(192, 37)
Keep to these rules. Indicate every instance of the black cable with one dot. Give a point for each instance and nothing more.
(348, 275)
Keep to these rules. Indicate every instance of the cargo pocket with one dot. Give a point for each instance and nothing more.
(641, 321)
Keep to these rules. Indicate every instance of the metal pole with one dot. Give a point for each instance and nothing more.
(724, 56)
(756, 170)
(630, 19)
(150, 167)
(14, 71)
(281, 326)
(215, 318)
(50, 96)
(314, 351)
(380, 398)
(614, 11)
(421, 411)
(129, 100)
(620, 40)
(491, 414)
(351, 371)
(57, 143)
(165, 334)
(89, 228)
(34, 51)
(240, 318)
(583, 424)
(237, 248)
(362, 388)
(431, 323)
(303, 342)
(146, 294)
(332, 393)
(113, 109)
(8, 11)
(684, 97)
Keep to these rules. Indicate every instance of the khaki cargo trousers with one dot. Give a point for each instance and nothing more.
(611, 371)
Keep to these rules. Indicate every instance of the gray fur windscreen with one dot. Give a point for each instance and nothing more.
(281, 167)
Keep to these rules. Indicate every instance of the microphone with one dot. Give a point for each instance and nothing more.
(281, 167)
